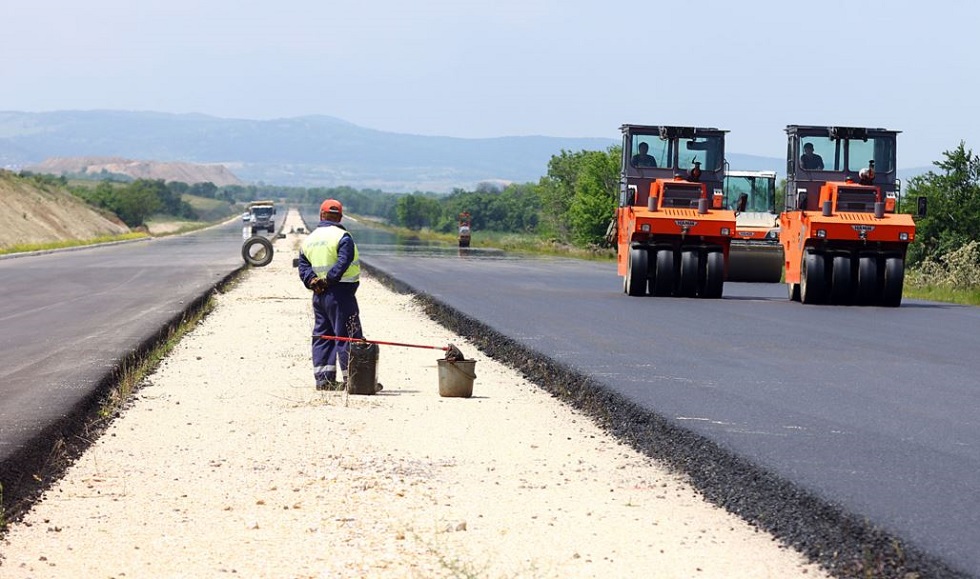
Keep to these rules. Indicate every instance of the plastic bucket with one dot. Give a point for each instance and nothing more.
(456, 378)
(362, 369)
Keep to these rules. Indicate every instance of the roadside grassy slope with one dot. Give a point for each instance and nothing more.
(38, 214)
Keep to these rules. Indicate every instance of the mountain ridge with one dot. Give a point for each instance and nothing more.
(307, 151)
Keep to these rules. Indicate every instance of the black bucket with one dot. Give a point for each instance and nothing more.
(362, 368)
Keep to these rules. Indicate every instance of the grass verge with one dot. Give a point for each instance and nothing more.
(964, 296)
(133, 372)
(24, 247)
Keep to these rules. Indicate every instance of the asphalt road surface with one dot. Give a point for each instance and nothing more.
(69, 318)
(874, 410)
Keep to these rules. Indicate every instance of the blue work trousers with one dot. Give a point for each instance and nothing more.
(335, 313)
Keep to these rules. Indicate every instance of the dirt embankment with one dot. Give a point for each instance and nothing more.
(168, 171)
(35, 213)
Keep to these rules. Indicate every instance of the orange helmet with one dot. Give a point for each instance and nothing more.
(332, 206)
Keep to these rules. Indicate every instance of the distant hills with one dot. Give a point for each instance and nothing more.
(301, 151)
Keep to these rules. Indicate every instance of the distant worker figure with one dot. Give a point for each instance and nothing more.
(329, 265)
(642, 159)
(810, 160)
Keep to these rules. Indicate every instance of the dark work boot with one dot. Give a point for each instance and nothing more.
(330, 385)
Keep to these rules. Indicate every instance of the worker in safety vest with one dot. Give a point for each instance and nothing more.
(329, 265)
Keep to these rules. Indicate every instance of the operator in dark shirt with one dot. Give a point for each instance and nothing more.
(642, 159)
(810, 160)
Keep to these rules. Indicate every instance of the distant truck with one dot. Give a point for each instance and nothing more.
(464, 229)
(261, 216)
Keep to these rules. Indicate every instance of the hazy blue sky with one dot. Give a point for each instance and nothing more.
(514, 67)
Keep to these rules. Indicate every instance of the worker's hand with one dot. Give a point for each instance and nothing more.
(318, 285)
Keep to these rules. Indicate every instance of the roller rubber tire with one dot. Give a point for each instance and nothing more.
(840, 285)
(688, 286)
(894, 280)
(813, 279)
(663, 281)
(714, 276)
(257, 251)
(793, 289)
(637, 271)
(867, 280)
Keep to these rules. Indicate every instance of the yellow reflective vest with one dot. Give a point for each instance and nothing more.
(320, 249)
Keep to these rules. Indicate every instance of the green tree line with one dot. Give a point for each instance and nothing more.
(946, 251)
(952, 192)
(572, 203)
(134, 202)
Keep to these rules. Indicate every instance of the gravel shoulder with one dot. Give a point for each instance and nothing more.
(229, 462)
